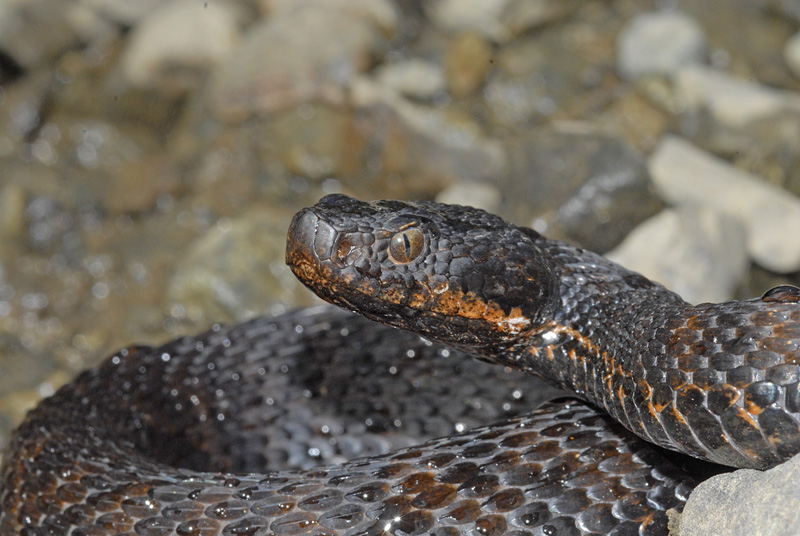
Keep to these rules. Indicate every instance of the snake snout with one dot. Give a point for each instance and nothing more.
(310, 240)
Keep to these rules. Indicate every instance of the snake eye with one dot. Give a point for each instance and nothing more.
(406, 245)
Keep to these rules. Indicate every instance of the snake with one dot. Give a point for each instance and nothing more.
(323, 422)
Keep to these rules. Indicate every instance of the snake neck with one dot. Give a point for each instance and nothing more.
(605, 319)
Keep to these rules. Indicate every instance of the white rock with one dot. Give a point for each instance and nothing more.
(659, 42)
(684, 174)
(731, 101)
(413, 78)
(179, 38)
(697, 252)
(791, 54)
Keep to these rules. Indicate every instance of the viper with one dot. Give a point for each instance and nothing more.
(220, 433)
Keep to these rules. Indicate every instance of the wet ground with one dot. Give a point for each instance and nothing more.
(152, 156)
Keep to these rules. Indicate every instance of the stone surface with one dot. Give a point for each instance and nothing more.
(745, 503)
(694, 251)
(175, 44)
(683, 174)
(214, 280)
(659, 42)
(732, 101)
(298, 55)
(571, 180)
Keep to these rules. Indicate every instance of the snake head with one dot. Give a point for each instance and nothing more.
(451, 273)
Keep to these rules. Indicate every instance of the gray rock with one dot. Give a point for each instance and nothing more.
(731, 101)
(659, 42)
(175, 44)
(791, 53)
(310, 52)
(580, 185)
(684, 174)
(696, 252)
(215, 281)
(745, 503)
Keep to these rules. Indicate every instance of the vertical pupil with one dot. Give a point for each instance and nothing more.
(406, 242)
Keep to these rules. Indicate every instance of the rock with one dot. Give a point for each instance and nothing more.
(684, 174)
(311, 52)
(216, 279)
(414, 77)
(174, 45)
(472, 194)
(659, 42)
(421, 143)
(745, 503)
(731, 101)
(466, 63)
(791, 53)
(498, 20)
(696, 252)
(580, 185)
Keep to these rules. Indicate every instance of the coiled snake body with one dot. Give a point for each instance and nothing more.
(718, 381)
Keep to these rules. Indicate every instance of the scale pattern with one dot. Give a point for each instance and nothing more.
(159, 441)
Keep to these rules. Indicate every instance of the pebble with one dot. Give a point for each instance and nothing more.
(684, 174)
(660, 43)
(734, 102)
(791, 53)
(175, 44)
(416, 78)
(745, 503)
(697, 252)
(295, 56)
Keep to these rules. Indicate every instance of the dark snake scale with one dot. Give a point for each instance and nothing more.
(319, 422)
